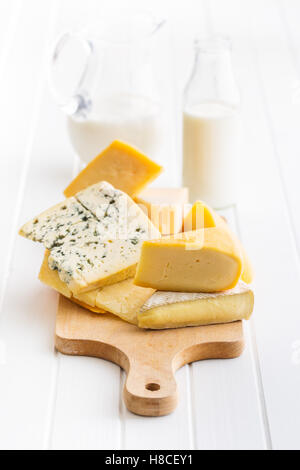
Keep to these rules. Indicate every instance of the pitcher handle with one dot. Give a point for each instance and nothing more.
(68, 73)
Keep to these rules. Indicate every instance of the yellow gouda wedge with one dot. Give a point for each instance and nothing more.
(178, 309)
(203, 216)
(164, 207)
(204, 260)
(119, 164)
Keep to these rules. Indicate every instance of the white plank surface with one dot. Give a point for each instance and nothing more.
(23, 397)
(175, 430)
(272, 245)
(48, 400)
(236, 408)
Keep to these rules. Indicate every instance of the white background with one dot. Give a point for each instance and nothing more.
(48, 400)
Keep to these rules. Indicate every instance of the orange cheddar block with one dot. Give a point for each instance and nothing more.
(121, 165)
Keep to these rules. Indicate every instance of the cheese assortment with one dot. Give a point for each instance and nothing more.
(119, 164)
(203, 216)
(178, 309)
(204, 260)
(98, 242)
(145, 261)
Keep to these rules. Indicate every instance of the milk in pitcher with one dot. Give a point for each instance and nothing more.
(132, 119)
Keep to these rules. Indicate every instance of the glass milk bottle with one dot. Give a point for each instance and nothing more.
(211, 125)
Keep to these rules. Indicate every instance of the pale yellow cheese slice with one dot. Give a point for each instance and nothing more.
(178, 309)
(88, 307)
(52, 279)
(123, 299)
(150, 196)
(203, 216)
(164, 207)
(121, 165)
(205, 260)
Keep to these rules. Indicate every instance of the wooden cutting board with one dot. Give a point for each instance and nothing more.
(150, 358)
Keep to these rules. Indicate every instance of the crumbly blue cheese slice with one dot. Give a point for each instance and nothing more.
(85, 260)
(179, 309)
(118, 214)
(94, 238)
(53, 225)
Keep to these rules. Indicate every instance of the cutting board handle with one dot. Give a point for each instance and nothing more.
(150, 390)
(149, 358)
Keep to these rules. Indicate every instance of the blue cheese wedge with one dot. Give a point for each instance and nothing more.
(178, 309)
(94, 238)
(53, 225)
(118, 215)
(86, 261)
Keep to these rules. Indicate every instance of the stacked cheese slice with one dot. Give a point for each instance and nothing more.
(94, 238)
(98, 239)
(123, 299)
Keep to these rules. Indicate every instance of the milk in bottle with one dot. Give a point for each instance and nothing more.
(211, 126)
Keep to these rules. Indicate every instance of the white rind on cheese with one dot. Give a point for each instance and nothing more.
(177, 309)
(160, 298)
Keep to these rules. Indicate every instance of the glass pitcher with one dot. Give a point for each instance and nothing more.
(103, 78)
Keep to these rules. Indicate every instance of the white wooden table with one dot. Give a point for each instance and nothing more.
(48, 400)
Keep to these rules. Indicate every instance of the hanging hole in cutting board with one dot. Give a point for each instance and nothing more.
(153, 387)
